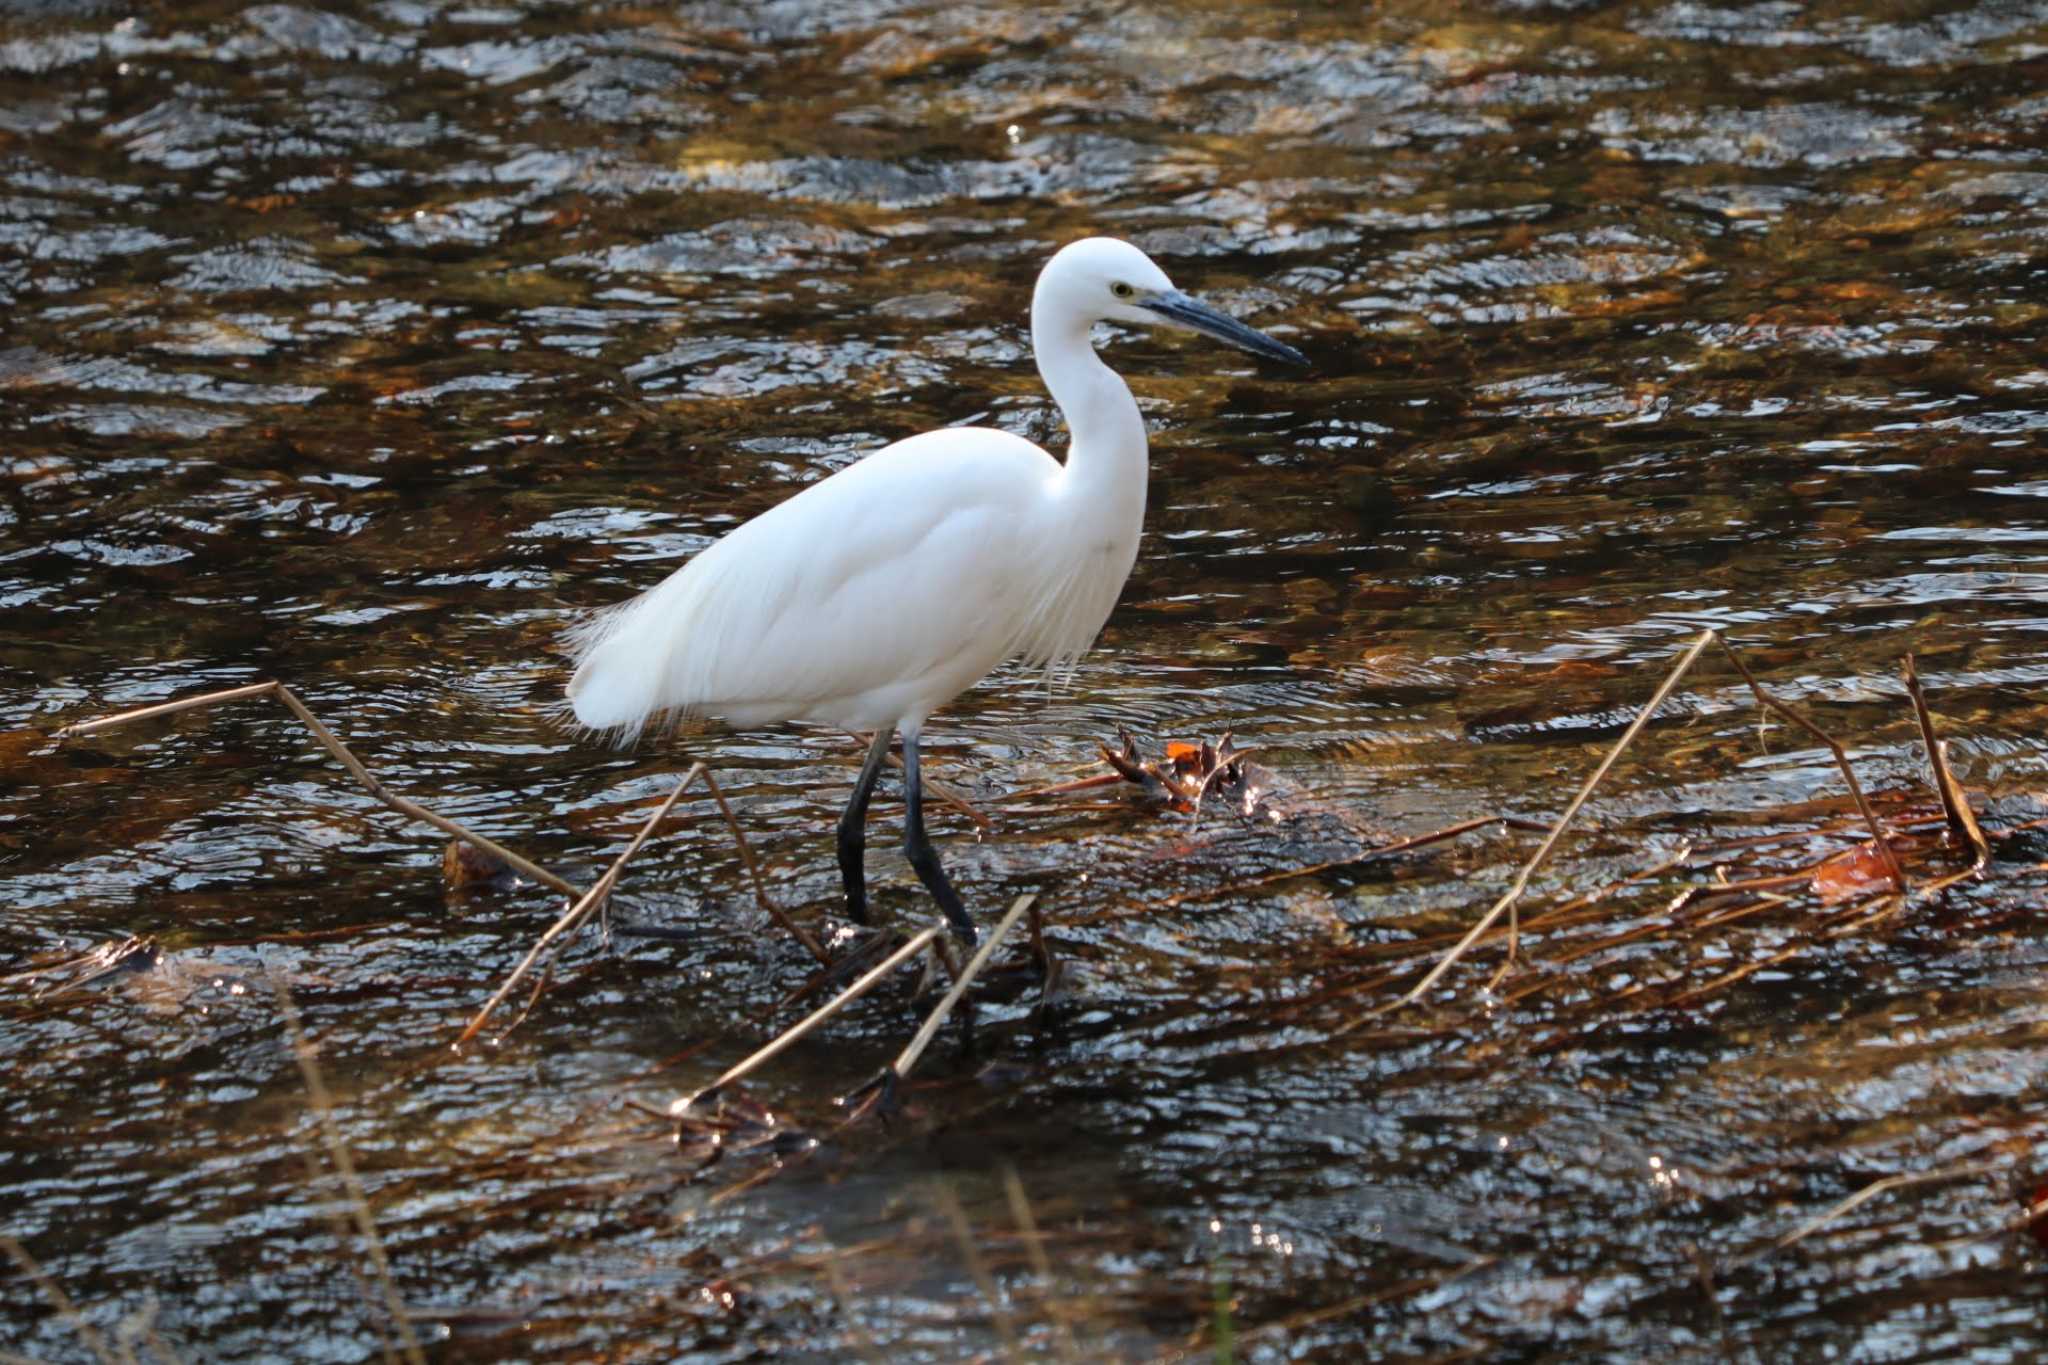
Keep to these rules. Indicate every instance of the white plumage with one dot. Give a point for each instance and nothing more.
(807, 611)
(878, 594)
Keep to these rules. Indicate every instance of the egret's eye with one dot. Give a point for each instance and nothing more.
(1122, 290)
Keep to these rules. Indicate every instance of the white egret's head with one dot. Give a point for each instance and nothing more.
(1107, 280)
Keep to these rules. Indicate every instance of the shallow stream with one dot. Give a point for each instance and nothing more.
(362, 347)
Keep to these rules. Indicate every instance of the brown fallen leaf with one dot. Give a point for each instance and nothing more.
(463, 864)
(1858, 872)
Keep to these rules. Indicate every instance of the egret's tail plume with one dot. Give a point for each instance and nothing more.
(612, 693)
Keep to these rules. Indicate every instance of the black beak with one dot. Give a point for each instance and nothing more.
(1180, 310)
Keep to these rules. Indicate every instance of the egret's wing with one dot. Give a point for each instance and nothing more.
(902, 576)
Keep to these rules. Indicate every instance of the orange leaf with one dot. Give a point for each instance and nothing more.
(2039, 1226)
(1858, 872)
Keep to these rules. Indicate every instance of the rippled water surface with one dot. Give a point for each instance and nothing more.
(363, 346)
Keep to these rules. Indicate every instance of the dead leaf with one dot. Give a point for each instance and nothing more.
(1858, 872)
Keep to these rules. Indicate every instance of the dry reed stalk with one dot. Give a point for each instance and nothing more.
(1955, 805)
(583, 908)
(1765, 900)
(345, 1171)
(1703, 1270)
(328, 741)
(1756, 841)
(948, 1200)
(1655, 928)
(1289, 874)
(1864, 1196)
(1079, 784)
(1855, 920)
(540, 985)
(1398, 846)
(338, 1221)
(818, 1016)
(1562, 915)
(1765, 883)
(1581, 909)
(907, 1059)
(163, 708)
(946, 792)
(2028, 1217)
(1295, 1322)
(61, 1302)
(1771, 703)
(775, 912)
(1064, 1344)
(1226, 761)
(1880, 838)
(141, 1325)
(1858, 918)
(835, 1278)
(1521, 882)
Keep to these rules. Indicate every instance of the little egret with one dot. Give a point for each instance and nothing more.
(875, 596)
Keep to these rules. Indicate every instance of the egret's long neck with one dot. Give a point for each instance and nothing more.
(1105, 467)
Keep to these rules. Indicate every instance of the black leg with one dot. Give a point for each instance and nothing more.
(918, 847)
(853, 837)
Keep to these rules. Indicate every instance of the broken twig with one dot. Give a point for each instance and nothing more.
(345, 1172)
(1521, 882)
(916, 945)
(775, 912)
(1955, 805)
(1864, 1196)
(915, 1049)
(1771, 703)
(582, 909)
(328, 741)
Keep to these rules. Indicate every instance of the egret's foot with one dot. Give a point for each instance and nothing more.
(877, 1096)
(851, 925)
(856, 947)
